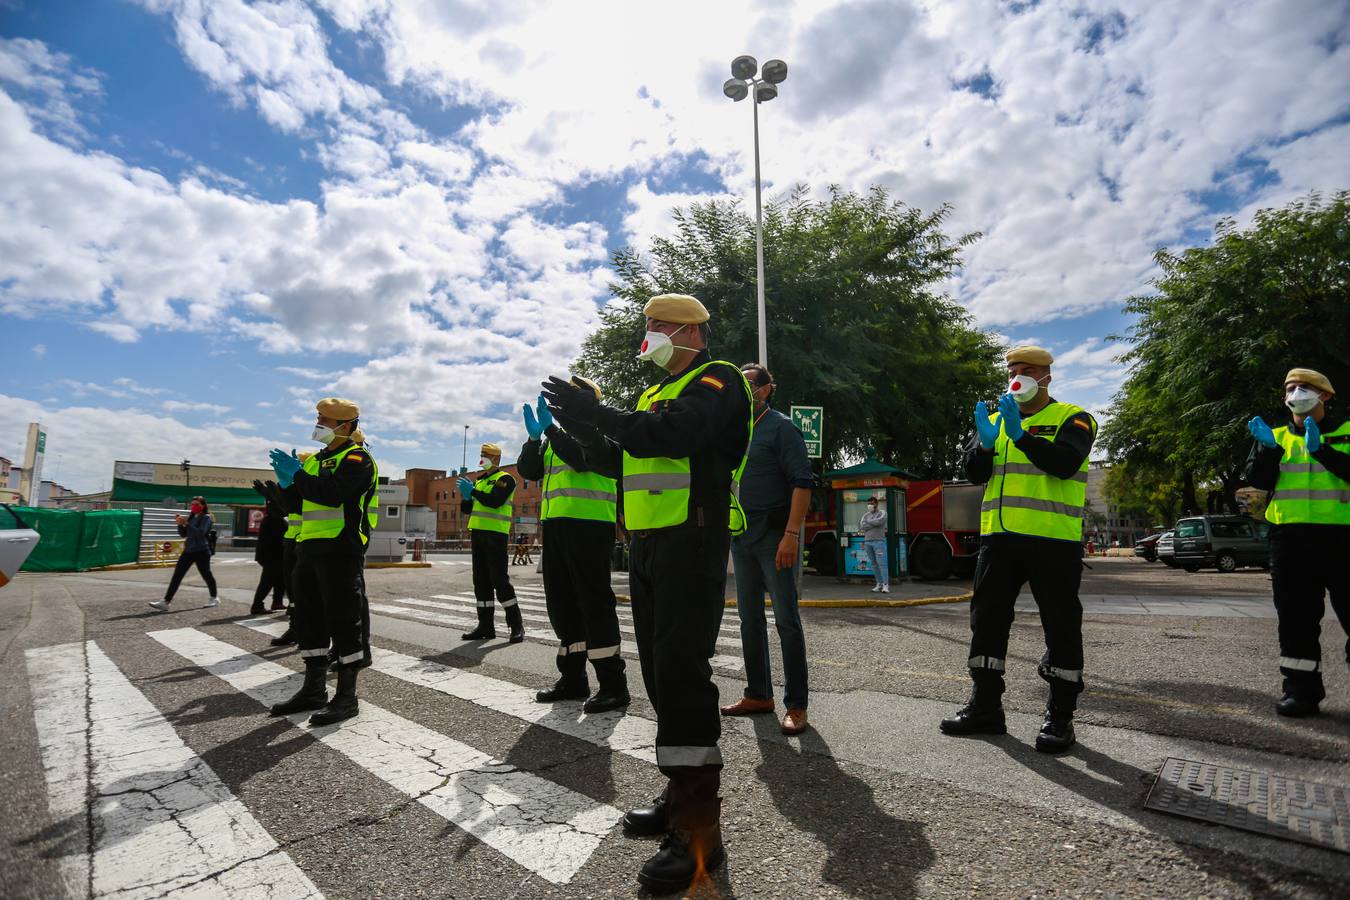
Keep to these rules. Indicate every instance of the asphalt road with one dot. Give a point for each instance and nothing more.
(139, 762)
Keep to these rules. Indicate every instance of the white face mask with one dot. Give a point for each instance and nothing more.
(658, 347)
(1301, 400)
(484, 463)
(323, 434)
(1024, 387)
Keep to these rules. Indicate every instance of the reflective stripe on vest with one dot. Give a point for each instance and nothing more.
(491, 518)
(1022, 499)
(292, 526)
(318, 521)
(656, 489)
(569, 494)
(1306, 490)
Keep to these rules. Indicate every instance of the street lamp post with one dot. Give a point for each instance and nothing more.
(744, 80)
(186, 466)
(464, 459)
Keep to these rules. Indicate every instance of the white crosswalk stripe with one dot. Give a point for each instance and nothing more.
(542, 826)
(153, 799)
(619, 731)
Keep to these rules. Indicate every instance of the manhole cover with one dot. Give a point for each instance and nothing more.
(1269, 804)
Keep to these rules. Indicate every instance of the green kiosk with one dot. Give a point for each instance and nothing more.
(850, 489)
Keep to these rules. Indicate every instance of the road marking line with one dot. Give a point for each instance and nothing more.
(158, 808)
(465, 602)
(544, 827)
(623, 733)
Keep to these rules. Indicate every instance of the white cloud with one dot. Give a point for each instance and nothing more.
(39, 350)
(191, 406)
(30, 66)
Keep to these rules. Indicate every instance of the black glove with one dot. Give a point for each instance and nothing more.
(270, 491)
(571, 403)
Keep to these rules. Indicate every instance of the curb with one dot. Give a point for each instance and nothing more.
(129, 567)
(399, 565)
(859, 603)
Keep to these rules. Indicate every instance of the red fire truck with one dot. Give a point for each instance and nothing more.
(940, 526)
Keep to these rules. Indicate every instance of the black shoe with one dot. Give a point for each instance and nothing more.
(606, 699)
(1056, 733)
(684, 855)
(1296, 707)
(256, 610)
(975, 720)
(517, 636)
(479, 634)
(649, 820)
(562, 690)
(343, 705)
(285, 639)
(312, 695)
(279, 607)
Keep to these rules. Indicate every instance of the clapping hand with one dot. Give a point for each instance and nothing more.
(1312, 434)
(536, 423)
(571, 402)
(1011, 416)
(1261, 432)
(465, 488)
(285, 465)
(986, 429)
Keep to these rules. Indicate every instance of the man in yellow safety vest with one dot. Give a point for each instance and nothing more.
(1032, 457)
(577, 513)
(338, 489)
(683, 451)
(488, 503)
(1306, 464)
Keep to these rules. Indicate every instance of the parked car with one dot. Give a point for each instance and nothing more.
(1147, 548)
(1224, 542)
(1165, 552)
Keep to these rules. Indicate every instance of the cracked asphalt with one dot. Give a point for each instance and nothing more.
(176, 783)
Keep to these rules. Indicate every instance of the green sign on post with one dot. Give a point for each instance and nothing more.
(810, 421)
(42, 442)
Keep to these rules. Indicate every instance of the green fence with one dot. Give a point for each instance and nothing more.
(73, 541)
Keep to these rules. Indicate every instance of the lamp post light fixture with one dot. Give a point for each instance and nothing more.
(186, 466)
(764, 85)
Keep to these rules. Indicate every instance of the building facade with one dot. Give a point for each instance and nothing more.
(443, 497)
(1103, 522)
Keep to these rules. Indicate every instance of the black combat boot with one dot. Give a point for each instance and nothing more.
(1303, 692)
(691, 850)
(610, 695)
(343, 705)
(313, 694)
(285, 639)
(983, 712)
(515, 623)
(1056, 731)
(564, 689)
(649, 821)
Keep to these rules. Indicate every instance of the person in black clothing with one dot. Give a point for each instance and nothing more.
(488, 505)
(699, 418)
(1306, 464)
(577, 515)
(337, 487)
(1033, 460)
(195, 529)
(268, 554)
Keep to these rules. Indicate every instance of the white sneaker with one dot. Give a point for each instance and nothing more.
(161, 605)
(885, 588)
(212, 601)
(876, 588)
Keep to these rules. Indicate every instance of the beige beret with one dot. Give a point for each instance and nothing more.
(590, 384)
(1033, 356)
(337, 408)
(1312, 377)
(490, 450)
(304, 455)
(678, 308)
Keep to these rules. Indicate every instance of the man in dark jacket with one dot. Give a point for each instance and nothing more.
(268, 554)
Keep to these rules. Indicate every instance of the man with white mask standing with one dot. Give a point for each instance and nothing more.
(1306, 463)
(1032, 457)
(683, 451)
(488, 503)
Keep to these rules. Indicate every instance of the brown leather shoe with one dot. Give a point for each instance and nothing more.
(794, 722)
(748, 706)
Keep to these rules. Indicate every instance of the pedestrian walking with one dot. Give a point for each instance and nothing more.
(1306, 463)
(683, 451)
(1032, 457)
(577, 513)
(873, 528)
(195, 529)
(776, 494)
(338, 488)
(488, 503)
(269, 555)
(520, 548)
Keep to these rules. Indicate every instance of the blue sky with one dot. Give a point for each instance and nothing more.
(218, 212)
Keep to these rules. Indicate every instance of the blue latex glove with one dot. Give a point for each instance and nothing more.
(1012, 417)
(544, 413)
(987, 430)
(285, 465)
(536, 425)
(1261, 432)
(1312, 434)
(465, 488)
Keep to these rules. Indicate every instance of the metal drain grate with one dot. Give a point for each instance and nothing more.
(1269, 804)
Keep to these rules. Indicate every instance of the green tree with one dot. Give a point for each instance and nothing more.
(1213, 341)
(857, 320)
(1142, 494)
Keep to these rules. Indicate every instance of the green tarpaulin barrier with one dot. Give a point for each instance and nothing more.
(73, 540)
(174, 494)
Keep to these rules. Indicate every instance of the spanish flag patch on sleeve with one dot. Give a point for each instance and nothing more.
(714, 383)
(354, 457)
(1083, 424)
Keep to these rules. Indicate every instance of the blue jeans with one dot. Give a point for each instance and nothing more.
(876, 556)
(753, 554)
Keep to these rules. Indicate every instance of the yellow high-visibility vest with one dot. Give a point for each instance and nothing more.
(318, 521)
(1022, 499)
(569, 494)
(1306, 490)
(491, 518)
